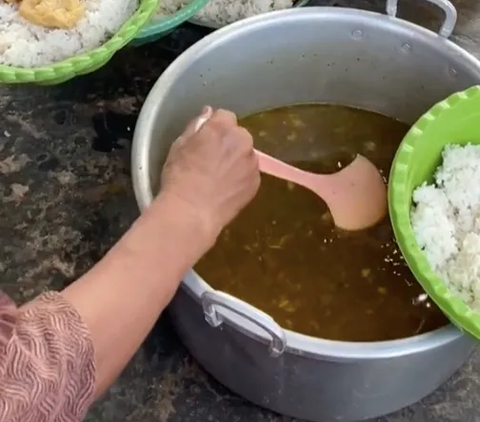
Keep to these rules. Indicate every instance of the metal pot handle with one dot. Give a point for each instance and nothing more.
(212, 300)
(449, 9)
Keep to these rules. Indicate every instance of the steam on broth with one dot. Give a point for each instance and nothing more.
(284, 255)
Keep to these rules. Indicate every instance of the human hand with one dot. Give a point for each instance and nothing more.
(213, 172)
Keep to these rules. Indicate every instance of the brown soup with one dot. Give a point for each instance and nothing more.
(284, 255)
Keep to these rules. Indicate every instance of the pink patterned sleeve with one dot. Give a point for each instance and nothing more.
(47, 368)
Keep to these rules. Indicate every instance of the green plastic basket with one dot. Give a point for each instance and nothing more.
(297, 3)
(454, 120)
(83, 63)
(162, 26)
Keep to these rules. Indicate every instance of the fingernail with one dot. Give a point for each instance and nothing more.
(206, 110)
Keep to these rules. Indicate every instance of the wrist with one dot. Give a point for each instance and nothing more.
(186, 218)
(167, 239)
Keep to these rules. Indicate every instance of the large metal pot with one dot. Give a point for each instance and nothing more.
(334, 55)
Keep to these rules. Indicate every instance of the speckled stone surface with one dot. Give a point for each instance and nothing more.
(67, 197)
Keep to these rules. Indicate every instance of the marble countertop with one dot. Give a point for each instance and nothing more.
(67, 197)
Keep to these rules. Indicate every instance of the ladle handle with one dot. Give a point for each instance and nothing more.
(200, 122)
(277, 168)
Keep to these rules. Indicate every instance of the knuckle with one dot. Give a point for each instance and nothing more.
(225, 117)
(244, 138)
(212, 129)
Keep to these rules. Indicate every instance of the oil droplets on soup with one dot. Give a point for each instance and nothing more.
(284, 255)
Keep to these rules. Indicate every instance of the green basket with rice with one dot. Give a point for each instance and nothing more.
(208, 13)
(39, 68)
(434, 200)
(159, 26)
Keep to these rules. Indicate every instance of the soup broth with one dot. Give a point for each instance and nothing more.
(284, 255)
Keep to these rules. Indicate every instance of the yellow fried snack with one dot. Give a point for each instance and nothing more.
(62, 14)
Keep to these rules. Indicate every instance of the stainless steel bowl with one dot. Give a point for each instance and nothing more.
(340, 56)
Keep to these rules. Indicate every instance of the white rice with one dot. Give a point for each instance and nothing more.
(446, 221)
(223, 12)
(24, 44)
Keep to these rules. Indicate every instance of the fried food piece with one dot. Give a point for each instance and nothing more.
(62, 14)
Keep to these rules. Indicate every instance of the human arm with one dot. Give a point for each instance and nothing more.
(121, 298)
(106, 314)
(208, 178)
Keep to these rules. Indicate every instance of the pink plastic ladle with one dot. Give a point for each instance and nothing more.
(355, 195)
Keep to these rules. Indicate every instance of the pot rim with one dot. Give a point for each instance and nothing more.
(296, 343)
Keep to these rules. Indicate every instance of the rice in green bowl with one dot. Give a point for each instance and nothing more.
(34, 53)
(218, 13)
